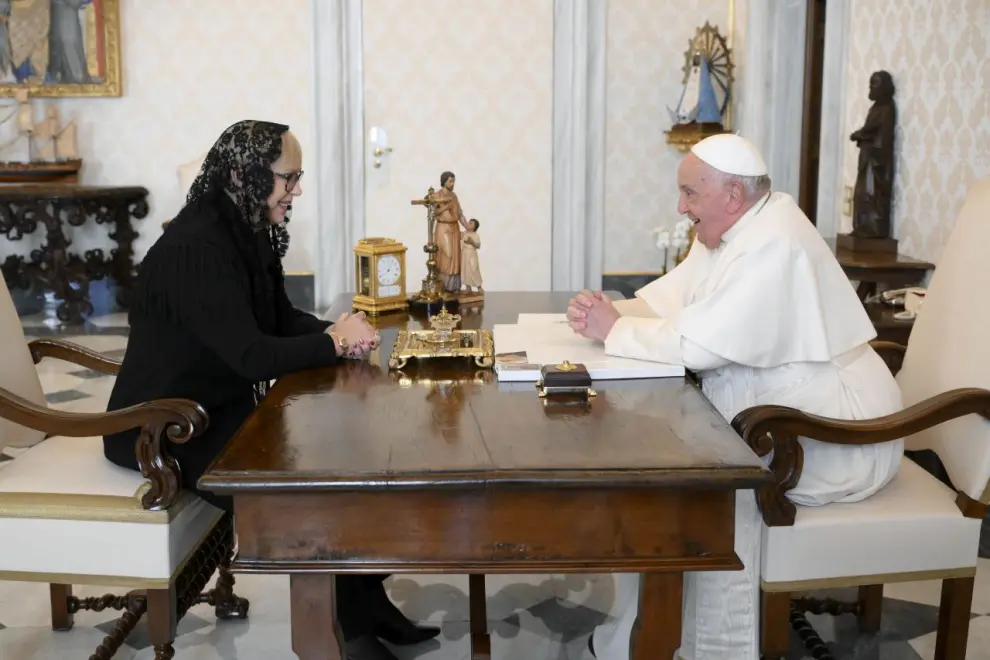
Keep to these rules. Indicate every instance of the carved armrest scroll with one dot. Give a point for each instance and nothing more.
(777, 429)
(69, 352)
(175, 420)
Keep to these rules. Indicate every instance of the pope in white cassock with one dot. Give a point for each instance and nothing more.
(762, 311)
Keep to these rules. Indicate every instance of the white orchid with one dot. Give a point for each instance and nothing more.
(683, 227)
(663, 238)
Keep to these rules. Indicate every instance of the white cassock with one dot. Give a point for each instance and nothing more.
(768, 317)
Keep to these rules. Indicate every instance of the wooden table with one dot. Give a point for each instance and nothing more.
(441, 469)
(57, 208)
(872, 269)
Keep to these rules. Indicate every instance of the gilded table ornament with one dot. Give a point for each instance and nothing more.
(444, 340)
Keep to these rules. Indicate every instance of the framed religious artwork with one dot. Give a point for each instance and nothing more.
(60, 48)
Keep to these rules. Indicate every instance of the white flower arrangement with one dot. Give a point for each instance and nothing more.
(680, 240)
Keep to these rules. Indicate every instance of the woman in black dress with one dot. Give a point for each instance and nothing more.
(210, 321)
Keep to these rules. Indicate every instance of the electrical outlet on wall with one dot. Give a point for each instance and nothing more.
(847, 201)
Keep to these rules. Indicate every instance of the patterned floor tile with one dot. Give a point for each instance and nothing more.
(138, 639)
(89, 374)
(64, 396)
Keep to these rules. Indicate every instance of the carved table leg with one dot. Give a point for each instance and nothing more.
(54, 267)
(481, 643)
(313, 615)
(124, 234)
(657, 634)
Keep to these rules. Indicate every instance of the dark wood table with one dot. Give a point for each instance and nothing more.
(873, 269)
(441, 469)
(56, 208)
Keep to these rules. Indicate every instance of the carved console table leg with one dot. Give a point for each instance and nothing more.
(122, 257)
(57, 207)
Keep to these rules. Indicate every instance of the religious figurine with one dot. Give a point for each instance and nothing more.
(874, 189)
(703, 108)
(470, 269)
(447, 233)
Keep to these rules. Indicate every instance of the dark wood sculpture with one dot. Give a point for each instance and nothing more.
(172, 420)
(57, 207)
(777, 428)
(874, 192)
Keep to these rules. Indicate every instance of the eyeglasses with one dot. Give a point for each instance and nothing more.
(290, 178)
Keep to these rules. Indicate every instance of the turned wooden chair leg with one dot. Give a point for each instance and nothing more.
(775, 625)
(163, 619)
(953, 619)
(61, 616)
(870, 608)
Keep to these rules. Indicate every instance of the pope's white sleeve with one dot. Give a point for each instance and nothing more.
(658, 340)
(633, 307)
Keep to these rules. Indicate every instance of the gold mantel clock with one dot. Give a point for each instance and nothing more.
(380, 275)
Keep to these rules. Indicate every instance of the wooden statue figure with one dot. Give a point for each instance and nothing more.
(874, 191)
(470, 268)
(447, 233)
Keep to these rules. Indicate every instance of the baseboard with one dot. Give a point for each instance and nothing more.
(301, 290)
(627, 283)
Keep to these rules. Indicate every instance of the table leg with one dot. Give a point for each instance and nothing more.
(313, 617)
(657, 634)
(481, 643)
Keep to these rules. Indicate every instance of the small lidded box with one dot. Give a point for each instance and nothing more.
(565, 378)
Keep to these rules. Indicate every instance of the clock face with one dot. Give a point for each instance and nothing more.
(389, 270)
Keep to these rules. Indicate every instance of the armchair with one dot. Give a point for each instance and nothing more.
(69, 516)
(916, 528)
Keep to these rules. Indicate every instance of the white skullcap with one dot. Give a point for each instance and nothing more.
(731, 154)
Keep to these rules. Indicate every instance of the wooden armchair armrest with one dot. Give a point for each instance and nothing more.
(891, 353)
(777, 429)
(176, 420)
(69, 352)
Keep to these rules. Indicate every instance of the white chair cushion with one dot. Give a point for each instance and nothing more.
(72, 512)
(17, 373)
(912, 525)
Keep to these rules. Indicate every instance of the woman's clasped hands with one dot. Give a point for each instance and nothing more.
(357, 333)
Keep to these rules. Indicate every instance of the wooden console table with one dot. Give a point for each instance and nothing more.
(55, 206)
(872, 269)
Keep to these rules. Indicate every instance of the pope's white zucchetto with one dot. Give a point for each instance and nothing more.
(731, 154)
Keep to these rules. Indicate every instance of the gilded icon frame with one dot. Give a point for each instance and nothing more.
(104, 24)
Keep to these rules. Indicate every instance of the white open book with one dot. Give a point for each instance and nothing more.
(541, 339)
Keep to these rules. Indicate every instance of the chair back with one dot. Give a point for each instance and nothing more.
(949, 346)
(187, 174)
(18, 374)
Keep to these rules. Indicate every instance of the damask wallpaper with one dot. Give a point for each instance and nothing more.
(646, 44)
(465, 87)
(190, 69)
(938, 54)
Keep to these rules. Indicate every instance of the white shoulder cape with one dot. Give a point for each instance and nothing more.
(773, 293)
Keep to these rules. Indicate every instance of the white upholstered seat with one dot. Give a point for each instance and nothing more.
(63, 493)
(911, 526)
(916, 528)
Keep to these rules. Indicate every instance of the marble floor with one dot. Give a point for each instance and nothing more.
(531, 617)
